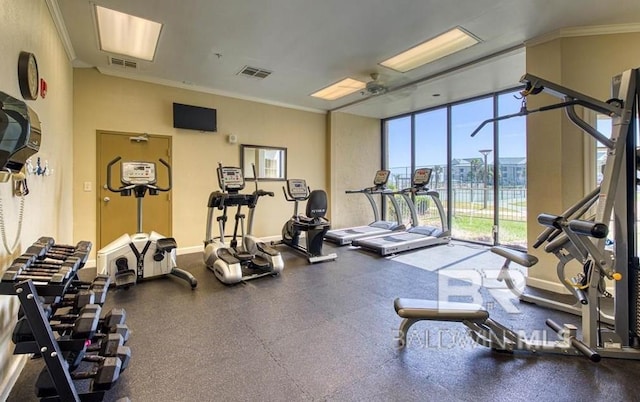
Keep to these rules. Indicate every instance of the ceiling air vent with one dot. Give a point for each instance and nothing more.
(254, 72)
(115, 61)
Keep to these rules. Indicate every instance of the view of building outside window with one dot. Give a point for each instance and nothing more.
(483, 185)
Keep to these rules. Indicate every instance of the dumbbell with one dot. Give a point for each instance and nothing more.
(18, 272)
(32, 260)
(118, 329)
(76, 300)
(84, 246)
(106, 324)
(62, 251)
(20, 267)
(111, 346)
(99, 286)
(43, 248)
(121, 352)
(107, 345)
(84, 327)
(103, 377)
(36, 260)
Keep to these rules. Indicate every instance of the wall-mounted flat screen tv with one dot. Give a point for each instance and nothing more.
(194, 117)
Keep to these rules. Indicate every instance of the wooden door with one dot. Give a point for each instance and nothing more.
(117, 214)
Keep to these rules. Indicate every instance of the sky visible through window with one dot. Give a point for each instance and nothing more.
(465, 118)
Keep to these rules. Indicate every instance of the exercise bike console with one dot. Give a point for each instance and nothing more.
(138, 173)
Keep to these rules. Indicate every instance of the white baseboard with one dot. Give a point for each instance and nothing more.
(189, 250)
(547, 285)
(13, 373)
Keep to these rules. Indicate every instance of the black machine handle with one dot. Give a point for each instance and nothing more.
(259, 192)
(169, 173)
(262, 193)
(109, 166)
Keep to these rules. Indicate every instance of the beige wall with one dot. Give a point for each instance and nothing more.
(110, 103)
(27, 25)
(555, 158)
(355, 155)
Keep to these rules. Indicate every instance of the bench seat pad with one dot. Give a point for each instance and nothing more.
(439, 310)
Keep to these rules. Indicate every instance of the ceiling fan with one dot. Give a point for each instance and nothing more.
(375, 86)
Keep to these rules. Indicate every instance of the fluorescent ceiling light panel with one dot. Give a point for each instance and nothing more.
(126, 34)
(442, 45)
(339, 89)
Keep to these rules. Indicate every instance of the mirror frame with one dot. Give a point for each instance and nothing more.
(249, 175)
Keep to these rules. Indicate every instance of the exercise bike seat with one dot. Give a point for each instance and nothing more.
(166, 244)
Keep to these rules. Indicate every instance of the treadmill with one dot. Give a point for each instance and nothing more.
(417, 236)
(343, 237)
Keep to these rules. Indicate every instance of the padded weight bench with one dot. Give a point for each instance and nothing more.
(519, 257)
(414, 310)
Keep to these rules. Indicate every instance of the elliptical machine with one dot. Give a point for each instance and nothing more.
(313, 223)
(251, 259)
(131, 258)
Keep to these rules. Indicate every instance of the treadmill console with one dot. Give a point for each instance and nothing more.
(381, 179)
(230, 178)
(137, 173)
(297, 189)
(421, 177)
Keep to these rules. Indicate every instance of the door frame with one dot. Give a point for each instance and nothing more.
(99, 185)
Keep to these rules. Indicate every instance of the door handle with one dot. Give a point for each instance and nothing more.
(106, 199)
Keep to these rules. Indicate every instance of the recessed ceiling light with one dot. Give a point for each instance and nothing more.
(127, 34)
(339, 89)
(436, 48)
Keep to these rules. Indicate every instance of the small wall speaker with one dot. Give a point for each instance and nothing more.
(232, 138)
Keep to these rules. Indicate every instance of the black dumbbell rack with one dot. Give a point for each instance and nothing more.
(48, 347)
(30, 292)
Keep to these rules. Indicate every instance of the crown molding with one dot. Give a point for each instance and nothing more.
(63, 34)
(584, 31)
(198, 88)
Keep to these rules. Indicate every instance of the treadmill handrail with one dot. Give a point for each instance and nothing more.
(369, 191)
(412, 209)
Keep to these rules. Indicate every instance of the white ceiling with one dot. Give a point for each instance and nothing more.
(309, 44)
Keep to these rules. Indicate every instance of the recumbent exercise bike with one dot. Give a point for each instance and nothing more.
(313, 223)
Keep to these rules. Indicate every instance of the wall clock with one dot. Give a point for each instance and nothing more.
(28, 77)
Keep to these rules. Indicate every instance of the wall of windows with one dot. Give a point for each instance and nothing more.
(481, 180)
